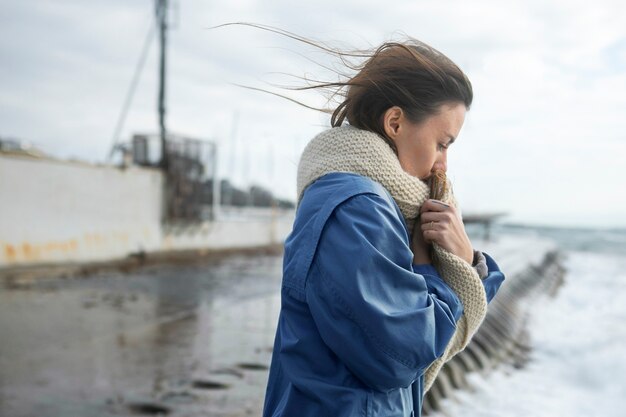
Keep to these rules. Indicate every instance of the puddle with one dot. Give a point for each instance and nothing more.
(204, 384)
(148, 409)
(181, 397)
(139, 335)
(228, 371)
(253, 366)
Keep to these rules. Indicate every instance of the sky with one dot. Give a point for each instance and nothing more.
(544, 141)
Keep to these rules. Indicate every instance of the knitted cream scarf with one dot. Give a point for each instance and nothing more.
(348, 149)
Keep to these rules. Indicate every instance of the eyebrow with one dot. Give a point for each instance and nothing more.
(452, 139)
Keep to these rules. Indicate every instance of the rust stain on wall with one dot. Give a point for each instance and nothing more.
(94, 239)
(31, 252)
(54, 250)
(10, 253)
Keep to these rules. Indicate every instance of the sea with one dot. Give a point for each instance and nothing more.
(577, 366)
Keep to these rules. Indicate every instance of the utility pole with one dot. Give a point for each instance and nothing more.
(161, 15)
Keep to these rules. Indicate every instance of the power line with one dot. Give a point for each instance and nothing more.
(131, 90)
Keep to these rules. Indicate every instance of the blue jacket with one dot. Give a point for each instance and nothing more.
(359, 323)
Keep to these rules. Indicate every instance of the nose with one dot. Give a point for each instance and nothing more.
(441, 164)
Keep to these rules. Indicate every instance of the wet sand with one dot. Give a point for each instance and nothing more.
(168, 340)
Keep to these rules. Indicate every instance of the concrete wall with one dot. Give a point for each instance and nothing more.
(61, 212)
(57, 211)
(235, 228)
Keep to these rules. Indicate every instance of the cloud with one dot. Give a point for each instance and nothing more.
(544, 136)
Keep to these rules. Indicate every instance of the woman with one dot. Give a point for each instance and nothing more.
(381, 284)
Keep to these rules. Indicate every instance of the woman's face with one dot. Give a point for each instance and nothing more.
(423, 147)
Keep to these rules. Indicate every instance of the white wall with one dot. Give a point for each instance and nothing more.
(235, 228)
(57, 211)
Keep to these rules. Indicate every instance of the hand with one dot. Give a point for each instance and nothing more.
(440, 223)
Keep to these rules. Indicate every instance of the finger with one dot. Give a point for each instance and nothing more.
(431, 235)
(433, 216)
(426, 237)
(430, 226)
(434, 205)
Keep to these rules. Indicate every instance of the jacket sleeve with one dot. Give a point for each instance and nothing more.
(382, 320)
(494, 278)
(437, 287)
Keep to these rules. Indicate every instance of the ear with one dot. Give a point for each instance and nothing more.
(392, 119)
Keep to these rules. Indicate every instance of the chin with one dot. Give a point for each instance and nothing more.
(423, 177)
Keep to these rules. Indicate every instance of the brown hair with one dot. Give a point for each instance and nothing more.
(408, 74)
